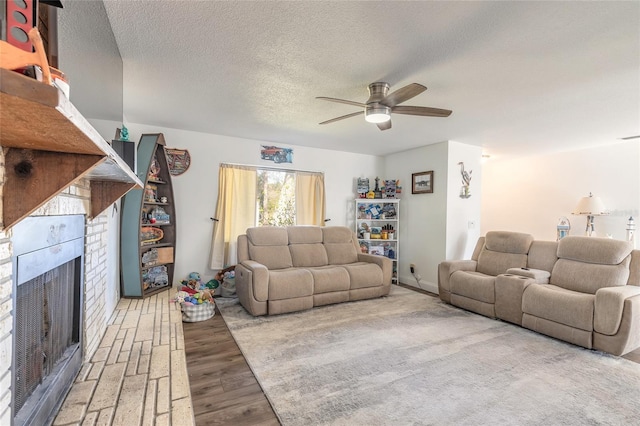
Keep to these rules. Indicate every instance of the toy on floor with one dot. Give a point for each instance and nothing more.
(193, 282)
(228, 285)
(198, 298)
(215, 282)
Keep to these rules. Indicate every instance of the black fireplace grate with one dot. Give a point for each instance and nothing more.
(46, 327)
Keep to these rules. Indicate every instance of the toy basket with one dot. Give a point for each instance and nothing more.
(195, 313)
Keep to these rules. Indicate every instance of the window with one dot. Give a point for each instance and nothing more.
(251, 196)
(276, 198)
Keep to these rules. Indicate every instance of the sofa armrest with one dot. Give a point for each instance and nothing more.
(540, 276)
(384, 263)
(609, 307)
(448, 267)
(253, 276)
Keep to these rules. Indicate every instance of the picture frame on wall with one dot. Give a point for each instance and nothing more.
(422, 182)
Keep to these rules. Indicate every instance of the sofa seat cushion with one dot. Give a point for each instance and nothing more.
(329, 278)
(474, 285)
(553, 303)
(290, 283)
(362, 274)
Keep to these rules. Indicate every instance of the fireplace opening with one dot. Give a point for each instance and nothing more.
(47, 330)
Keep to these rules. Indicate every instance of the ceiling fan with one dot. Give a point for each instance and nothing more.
(380, 105)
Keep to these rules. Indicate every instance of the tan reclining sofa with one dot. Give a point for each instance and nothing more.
(287, 269)
(583, 290)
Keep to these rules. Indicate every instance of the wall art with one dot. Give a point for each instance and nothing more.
(422, 183)
(276, 154)
(465, 190)
(179, 160)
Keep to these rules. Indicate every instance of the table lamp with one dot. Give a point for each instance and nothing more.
(590, 206)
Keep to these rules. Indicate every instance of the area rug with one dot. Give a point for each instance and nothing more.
(410, 359)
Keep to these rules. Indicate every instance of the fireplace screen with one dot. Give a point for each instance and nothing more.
(47, 322)
(46, 326)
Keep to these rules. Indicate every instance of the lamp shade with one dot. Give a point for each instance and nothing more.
(590, 206)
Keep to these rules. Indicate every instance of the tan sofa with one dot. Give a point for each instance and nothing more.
(583, 290)
(287, 269)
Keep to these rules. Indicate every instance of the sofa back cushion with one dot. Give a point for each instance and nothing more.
(340, 244)
(605, 251)
(586, 264)
(634, 268)
(478, 249)
(503, 250)
(269, 246)
(305, 245)
(543, 255)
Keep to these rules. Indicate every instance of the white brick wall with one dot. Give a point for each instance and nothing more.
(95, 283)
(73, 200)
(6, 320)
(6, 323)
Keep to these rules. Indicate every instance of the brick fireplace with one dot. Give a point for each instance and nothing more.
(95, 290)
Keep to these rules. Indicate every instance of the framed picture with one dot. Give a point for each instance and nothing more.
(422, 183)
(378, 250)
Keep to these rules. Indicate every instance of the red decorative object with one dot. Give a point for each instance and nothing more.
(21, 17)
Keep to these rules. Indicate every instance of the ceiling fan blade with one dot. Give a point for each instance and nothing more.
(424, 111)
(403, 94)
(342, 101)
(353, 114)
(384, 126)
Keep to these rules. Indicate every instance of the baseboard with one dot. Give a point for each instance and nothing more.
(424, 285)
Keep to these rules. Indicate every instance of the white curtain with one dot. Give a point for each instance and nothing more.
(310, 198)
(236, 209)
(235, 212)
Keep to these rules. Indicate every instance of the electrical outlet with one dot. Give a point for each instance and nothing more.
(412, 268)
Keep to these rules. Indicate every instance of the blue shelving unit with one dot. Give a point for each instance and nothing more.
(147, 261)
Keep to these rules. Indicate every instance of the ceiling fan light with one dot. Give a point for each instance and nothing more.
(377, 114)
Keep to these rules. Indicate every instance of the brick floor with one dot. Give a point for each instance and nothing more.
(138, 374)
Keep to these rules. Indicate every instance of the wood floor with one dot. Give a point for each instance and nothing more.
(223, 388)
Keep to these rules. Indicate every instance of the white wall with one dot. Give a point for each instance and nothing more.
(463, 214)
(435, 227)
(531, 194)
(89, 57)
(196, 190)
(422, 216)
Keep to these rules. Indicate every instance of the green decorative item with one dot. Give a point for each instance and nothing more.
(124, 133)
(212, 284)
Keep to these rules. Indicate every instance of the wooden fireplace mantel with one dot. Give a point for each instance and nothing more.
(48, 145)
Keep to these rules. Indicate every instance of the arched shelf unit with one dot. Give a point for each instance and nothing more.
(148, 224)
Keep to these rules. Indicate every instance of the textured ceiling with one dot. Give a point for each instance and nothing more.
(520, 77)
